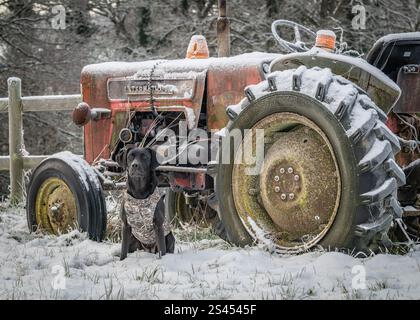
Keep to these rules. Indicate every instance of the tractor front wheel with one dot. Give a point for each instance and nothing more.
(64, 193)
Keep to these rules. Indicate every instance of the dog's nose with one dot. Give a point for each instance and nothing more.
(134, 165)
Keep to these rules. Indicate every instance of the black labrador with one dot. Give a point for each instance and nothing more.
(142, 228)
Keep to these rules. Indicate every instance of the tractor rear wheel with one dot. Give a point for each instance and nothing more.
(200, 213)
(328, 176)
(177, 209)
(197, 212)
(64, 193)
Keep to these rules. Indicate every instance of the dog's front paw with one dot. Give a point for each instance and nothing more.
(161, 254)
(122, 255)
(117, 253)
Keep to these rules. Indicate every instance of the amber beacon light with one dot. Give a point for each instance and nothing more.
(197, 49)
(325, 39)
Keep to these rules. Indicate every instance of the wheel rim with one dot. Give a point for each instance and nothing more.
(55, 205)
(294, 200)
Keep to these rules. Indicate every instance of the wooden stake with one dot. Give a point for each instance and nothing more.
(15, 140)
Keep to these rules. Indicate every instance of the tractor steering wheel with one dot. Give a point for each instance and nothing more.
(298, 45)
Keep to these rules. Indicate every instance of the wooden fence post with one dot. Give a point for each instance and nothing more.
(15, 140)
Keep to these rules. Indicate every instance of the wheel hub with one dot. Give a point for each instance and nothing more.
(286, 182)
(56, 206)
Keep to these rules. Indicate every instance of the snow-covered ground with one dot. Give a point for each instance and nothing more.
(31, 266)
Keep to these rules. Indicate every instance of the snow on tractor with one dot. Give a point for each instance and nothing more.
(337, 135)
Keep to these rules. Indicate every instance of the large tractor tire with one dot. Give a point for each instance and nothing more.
(64, 193)
(328, 177)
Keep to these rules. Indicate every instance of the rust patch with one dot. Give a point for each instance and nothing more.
(227, 88)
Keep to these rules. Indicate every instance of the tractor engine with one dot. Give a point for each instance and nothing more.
(175, 144)
(154, 107)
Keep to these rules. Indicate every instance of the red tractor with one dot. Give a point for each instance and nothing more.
(332, 139)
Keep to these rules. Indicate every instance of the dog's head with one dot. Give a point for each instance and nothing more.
(141, 163)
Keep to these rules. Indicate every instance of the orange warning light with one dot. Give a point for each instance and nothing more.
(325, 39)
(197, 49)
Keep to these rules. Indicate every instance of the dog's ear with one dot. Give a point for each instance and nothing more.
(121, 157)
(153, 159)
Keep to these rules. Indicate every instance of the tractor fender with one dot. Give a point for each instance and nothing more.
(370, 80)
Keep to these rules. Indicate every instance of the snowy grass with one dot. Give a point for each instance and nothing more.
(203, 267)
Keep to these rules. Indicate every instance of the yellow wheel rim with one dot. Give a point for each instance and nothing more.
(295, 198)
(55, 206)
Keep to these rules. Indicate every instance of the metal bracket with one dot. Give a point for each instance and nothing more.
(100, 113)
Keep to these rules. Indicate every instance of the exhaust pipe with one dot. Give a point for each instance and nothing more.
(223, 31)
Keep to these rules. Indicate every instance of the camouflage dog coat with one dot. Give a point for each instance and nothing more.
(140, 213)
